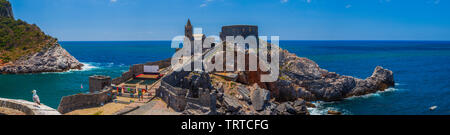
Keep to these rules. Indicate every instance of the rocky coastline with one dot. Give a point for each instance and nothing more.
(300, 83)
(51, 59)
(32, 49)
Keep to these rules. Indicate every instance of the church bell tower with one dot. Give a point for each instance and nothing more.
(188, 31)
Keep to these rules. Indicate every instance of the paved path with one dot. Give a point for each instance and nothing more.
(154, 107)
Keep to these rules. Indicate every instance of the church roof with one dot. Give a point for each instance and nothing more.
(188, 23)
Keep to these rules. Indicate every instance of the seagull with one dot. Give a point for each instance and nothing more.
(36, 97)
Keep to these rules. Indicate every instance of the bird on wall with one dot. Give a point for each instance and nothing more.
(36, 97)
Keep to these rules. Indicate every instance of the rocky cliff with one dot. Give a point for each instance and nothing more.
(301, 80)
(6, 9)
(24, 48)
(51, 59)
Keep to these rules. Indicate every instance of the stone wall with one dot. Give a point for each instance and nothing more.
(97, 83)
(176, 97)
(82, 101)
(205, 98)
(27, 107)
(134, 71)
(173, 96)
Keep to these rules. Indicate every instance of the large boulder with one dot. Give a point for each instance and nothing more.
(286, 90)
(285, 109)
(244, 93)
(297, 107)
(260, 98)
(300, 107)
(231, 104)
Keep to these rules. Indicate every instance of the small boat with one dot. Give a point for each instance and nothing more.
(433, 108)
(332, 112)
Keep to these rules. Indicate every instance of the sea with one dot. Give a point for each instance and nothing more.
(421, 71)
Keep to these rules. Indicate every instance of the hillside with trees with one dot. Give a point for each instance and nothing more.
(17, 37)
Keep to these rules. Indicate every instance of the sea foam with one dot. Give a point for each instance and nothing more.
(323, 107)
(376, 94)
(88, 66)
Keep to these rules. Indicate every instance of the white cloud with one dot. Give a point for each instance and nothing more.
(348, 6)
(112, 1)
(205, 3)
(285, 1)
(437, 1)
(434, 2)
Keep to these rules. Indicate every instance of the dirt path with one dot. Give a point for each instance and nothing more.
(154, 107)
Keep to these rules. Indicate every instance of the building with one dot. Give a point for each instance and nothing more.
(239, 30)
(188, 31)
(97, 83)
(182, 90)
(193, 34)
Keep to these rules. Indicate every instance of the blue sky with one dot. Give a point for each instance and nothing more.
(119, 20)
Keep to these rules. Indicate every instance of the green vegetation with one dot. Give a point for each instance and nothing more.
(233, 84)
(98, 113)
(18, 38)
(284, 77)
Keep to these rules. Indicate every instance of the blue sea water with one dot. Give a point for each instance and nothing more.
(421, 68)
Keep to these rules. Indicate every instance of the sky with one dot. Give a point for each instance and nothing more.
(133, 20)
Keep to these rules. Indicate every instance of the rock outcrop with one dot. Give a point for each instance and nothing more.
(303, 78)
(300, 80)
(298, 107)
(51, 59)
(260, 98)
(6, 9)
(27, 107)
(24, 48)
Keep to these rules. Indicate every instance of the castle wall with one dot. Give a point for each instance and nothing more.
(176, 97)
(239, 30)
(82, 101)
(134, 71)
(97, 83)
(173, 96)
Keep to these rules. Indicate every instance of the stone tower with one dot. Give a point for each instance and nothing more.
(188, 31)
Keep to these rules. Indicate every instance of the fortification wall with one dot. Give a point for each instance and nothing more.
(82, 101)
(132, 72)
(27, 107)
(176, 97)
(174, 100)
